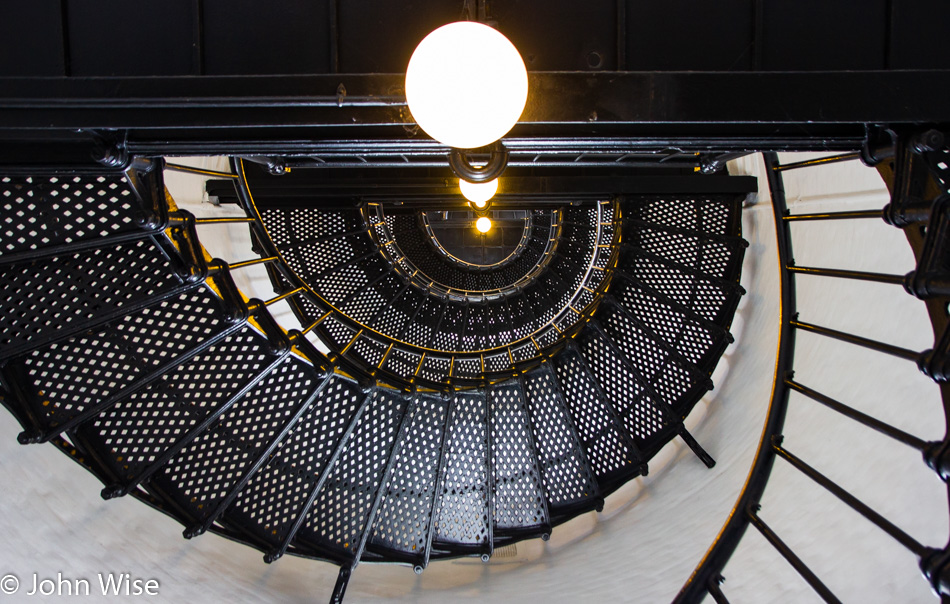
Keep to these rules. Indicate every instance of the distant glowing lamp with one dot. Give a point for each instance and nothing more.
(483, 224)
(478, 193)
(466, 85)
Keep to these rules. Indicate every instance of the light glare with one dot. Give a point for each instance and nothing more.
(478, 192)
(483, 224)
(466, 85)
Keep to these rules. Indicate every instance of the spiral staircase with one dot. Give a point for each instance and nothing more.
(462, 405)
(402, 390)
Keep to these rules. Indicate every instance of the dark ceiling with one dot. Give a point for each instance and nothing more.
(316, 77)
(244, 37)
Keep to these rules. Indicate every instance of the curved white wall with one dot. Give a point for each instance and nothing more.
(653, 532)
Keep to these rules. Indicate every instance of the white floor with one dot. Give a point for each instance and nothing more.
(652, 533)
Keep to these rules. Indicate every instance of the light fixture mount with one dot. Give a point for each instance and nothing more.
(464, 169)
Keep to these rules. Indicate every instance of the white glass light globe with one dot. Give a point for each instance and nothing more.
(478, 192)
(466, 85)
(483, 224)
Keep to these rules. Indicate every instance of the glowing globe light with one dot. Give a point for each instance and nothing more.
(478, 193)
(483, 224)
(466, 85)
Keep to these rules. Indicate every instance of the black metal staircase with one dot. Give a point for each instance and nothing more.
(130, 349)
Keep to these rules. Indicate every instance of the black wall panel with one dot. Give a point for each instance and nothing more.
(824, 34)
(378, 36)
(122, 38)
(920, 31)
(258, 37)
(561, 35)
(688, 35)
(273, 37)
(31, 39)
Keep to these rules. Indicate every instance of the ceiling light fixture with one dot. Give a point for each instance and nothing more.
(466, 85)
(478, 193)
(483, 224)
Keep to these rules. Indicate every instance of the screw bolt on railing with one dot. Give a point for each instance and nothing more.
(936, 568)
(930, 140)
(29, 437)
(937, 456)
(935, 366)
(112, 491)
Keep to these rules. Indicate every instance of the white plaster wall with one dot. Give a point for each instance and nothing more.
(653, 532)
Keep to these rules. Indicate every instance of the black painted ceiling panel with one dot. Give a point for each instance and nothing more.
(561, 35)
(31, 39)
(824, 35)
(253, 37)
(122, 38)
(273, 37)
(378, 36)
(689, 35)
(920, 34)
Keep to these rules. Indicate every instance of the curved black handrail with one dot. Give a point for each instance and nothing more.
(706, 576)
(934, 563)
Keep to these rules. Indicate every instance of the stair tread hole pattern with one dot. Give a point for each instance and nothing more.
(940, 166)
(137, 430)
(711, 215)
(411, 239)
(463, 499)
(44, 296)
(690, 338)
(473, 337)
(600, 435)
(467, 368)
(339, 285)
(520, 318)
(72, 375)
(293, 226)
(497, 363)
(497, 322)
(565, 475)
(341, 510)
(639, 414)
(710, 257)
(273, 499)
(584, 299)
(311, 310)
(364, 304)
(656, 366)
(369, 351)
(402, 363)
(420, 330)
(317, 258)
(523, 352)
(394, 317)
(560, 294)
(310, 261)
(447, 338)
(548, 337)
(700, 295)
(543, 305)
(518, 497)
(38, 212)
(435, 368)
(339, 334)
(404, 514)
(203, 472)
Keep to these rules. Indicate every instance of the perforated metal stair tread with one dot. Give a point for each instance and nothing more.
(231, 425)
(390, 282)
